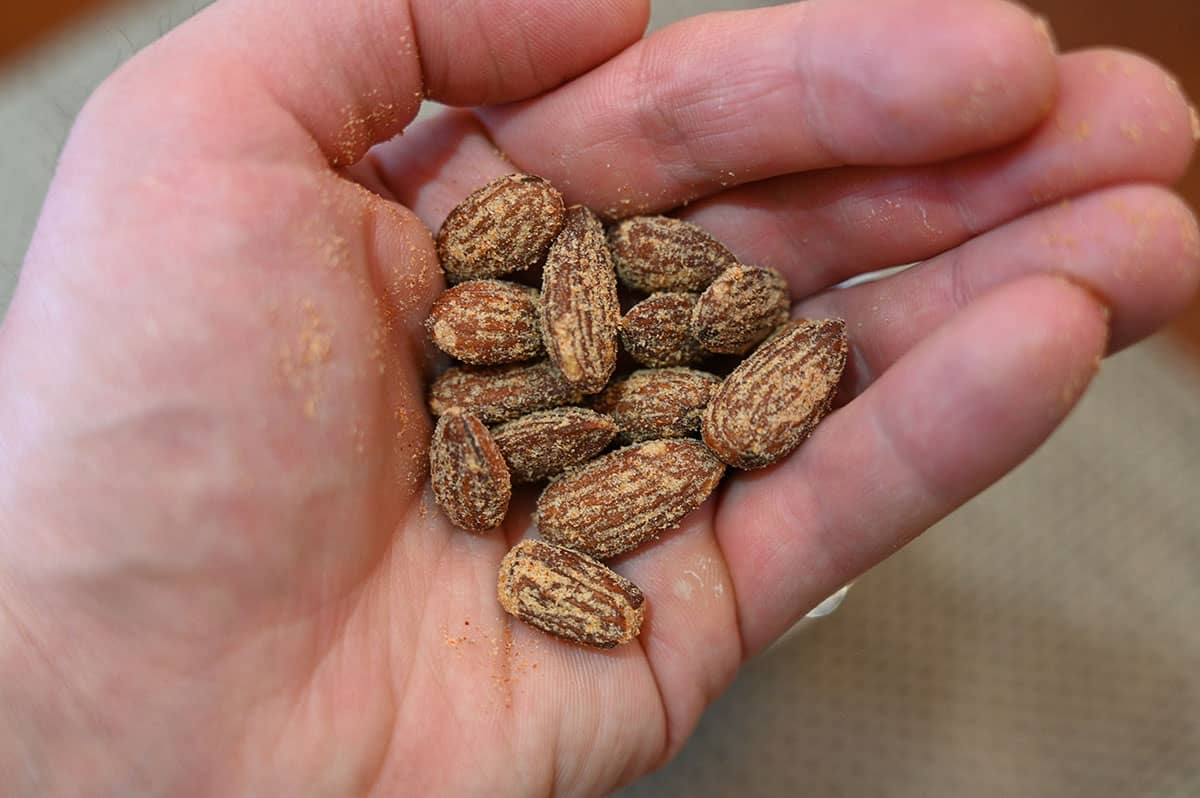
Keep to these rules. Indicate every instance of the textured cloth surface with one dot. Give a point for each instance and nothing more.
(1044, 640)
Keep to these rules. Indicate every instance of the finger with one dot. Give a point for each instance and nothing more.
(1119, 118)
(1136, 247)
(691, 636)
(349, 74)
(965, 406)
(731, 98)
(437, 163)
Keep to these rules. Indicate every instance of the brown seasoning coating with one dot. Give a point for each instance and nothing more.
(657, 403)
(506, 226)
(619, 501)
(658, 253)
(580, 312)
(544, 444)
(569, 595)
(740, 309)
(470, 478)
(657, 331)
(486, 322)
(501, 393)
(774, 398)
(702, 303)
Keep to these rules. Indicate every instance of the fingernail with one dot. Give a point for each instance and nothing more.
(1087, 288)
(1043, 27)
(1176, 88)
(1173, 86)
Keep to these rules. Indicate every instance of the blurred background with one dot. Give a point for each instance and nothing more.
(1042, 641)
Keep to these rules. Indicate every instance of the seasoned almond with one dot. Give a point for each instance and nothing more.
(617, 502)
(658, 330)
(501, 393)
(569, 595)
(774, 398)
(658, 253)
(740, 309)
(580, 312)
(657, 403)
(485, 322)
(470, 478)
(506, 226)
(544, 444)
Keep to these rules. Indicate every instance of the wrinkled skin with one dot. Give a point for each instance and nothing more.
(221, 571)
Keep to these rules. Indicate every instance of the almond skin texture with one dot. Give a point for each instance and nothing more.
(541, 445)
(506, 226)
(485, 322)
(580, 311)
(657, 331)
(470, 478)
(619, 501)
(657, 403)
(740, 309)
(569, 595)
(501, 393)
(774, 399)
(657, 253)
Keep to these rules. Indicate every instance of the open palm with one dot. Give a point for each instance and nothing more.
(221, 570)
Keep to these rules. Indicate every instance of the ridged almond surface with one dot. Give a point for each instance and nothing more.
(470, 478)
(580, 311)
(486, 322)
(772, 401)
(657, 403)
(742, 307)
(658, 253)
(569, 595)
(544, 444)
(506, 226)
(617, 502)
(657, 331)
(501, 393)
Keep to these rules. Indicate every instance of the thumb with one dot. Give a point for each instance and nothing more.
(347, 74)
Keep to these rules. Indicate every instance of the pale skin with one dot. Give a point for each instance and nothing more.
(221, 571)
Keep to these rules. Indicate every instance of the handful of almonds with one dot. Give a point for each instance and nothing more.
(534, 357)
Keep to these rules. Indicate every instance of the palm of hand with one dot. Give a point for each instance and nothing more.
(249, 550)
(293, 590)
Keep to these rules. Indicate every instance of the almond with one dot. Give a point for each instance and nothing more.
(618, 501)
(658, 330)
(486, 322)
(569, 595)
(657, 253)
(657, 403)
(501, 393)
(741, 308)
(470, 479)
(506, 226)
(544, 444)
(580, 311)
(774, 398)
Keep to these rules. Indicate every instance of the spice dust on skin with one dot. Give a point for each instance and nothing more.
(302, 361)
(509, 662)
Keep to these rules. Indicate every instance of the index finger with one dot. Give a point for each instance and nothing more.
(725, 99)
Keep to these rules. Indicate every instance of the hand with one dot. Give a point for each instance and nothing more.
(221, 571)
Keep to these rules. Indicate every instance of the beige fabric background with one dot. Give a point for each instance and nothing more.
(1043, 641)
